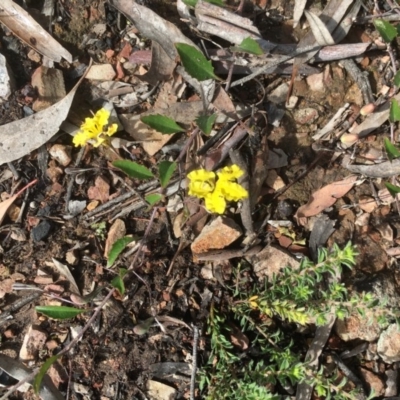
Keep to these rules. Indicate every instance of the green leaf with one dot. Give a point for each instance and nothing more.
(249, 45)
(42, 372)
(118, 283)
(162, 124)
(397, 78)
(192, 3)
(205, 123)
(195, 63)
(166, 170)
(59, 312)
(391, 150)
(134, 170)
(153, 198)
(117, 248)
(385, 29)
(393, 189)
(394, 114)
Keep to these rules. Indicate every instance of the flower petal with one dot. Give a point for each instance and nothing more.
(230, 173)
(231, 191)
(215, 202)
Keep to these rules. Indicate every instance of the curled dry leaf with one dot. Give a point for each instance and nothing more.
(22, 25)
(324, 197)
(20, 137)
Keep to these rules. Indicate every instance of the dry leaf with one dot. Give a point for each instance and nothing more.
(66, 273)
(299, 6)
(4, 205)
(100, 190)
(324, 197)
(20, 137)
(22, 25)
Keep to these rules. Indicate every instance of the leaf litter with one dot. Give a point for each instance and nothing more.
(182, 116)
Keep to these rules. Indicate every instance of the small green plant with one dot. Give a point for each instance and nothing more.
(100, 229)
(268, 316)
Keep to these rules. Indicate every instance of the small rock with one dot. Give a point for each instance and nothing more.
(61, 153)
(305, 116)
(71, 257)
(160, 391)
(373, 381)
(279, 94)
(103, 72)
(34, 56)
(391, 382)
(356, 326)
(49, 83)
(34, 341)
(41, 231)
(54, 173)
(43, 280)
(316, 82)
(219, 234)
(389, 344)
(271, 260)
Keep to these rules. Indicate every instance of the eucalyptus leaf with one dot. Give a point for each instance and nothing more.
(393, 189)
(118, 283)
(42, 372)
(133, 169)
(59, 312)
(249, 45)
(391, 150)
(320, 31)
(385, 29)
(396, 79)
(394, 113)
(162, 124)
(206, 122)
(192, 3)
(195, 63)
(166, 170)
(153, 198)
(117, 248)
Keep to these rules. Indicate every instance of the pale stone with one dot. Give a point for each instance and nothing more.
(219, 234)
(389, 344)
(316, 82)
(102, 72)
(160, 391)
(61, 153)
(373, 381)
(34, 341)
(271, 260)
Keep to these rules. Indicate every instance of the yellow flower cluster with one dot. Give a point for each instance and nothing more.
(94, 129)
(216, 193)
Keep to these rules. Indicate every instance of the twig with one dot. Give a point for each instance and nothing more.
(19, 384)
(71, 182)
(187, 145)
(13, 170)
(194, 362)
(265, 68)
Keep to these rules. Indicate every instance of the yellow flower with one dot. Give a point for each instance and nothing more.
(202, 183)
(230, 173)
(231, 191)
(94, 129)
(215, 202)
